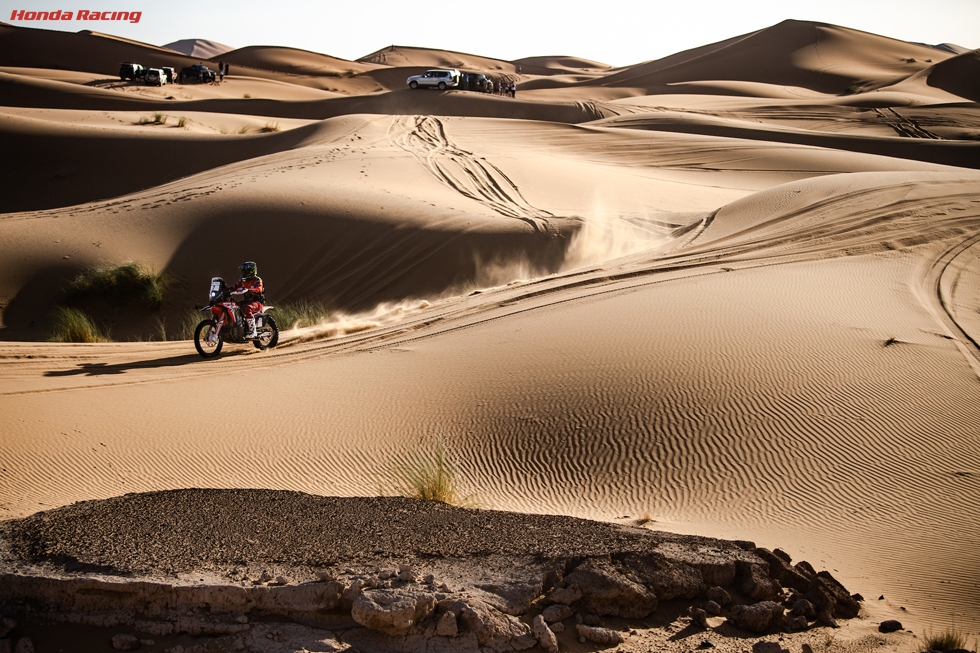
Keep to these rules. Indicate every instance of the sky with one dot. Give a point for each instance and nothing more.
(619, 33)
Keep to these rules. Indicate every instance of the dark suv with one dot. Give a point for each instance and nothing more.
(198, 71)
(474, 82)
(131, 71)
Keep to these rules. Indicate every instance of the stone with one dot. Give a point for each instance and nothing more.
(699, 617)
(6, 646)
(782, 572)
(282, 580)
(565, 595)
(889, 626)
(265, 577)
(768, 647)
(606, 591)
(25, 645)
(668, 579)
(719, 595)
(803, 607)
(796, 623)
(755, 583)
(825, 618)
(556, 612)
(826, 593)
(599, 635)
(712, 608)
(557, 627)
(124, 642)
(758, 617)
(325, 575)
(391, 611)
(6, 625)
(407, 576)
(545, 637)
(447, 626)
(492, 627)
(807, 648)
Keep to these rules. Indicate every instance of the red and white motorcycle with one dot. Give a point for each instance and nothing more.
(227, 323)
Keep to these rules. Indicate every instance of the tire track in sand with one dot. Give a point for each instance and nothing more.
(424, 137)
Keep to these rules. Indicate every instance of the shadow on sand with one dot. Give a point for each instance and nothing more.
(98, 369)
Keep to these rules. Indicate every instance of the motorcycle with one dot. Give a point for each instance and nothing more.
(228, 323)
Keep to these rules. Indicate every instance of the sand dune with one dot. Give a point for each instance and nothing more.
(199, 48)
(735, 289)
(820, 57)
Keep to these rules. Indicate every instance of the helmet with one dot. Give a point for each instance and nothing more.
(248, 269)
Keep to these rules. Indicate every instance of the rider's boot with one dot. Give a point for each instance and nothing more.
(250, 323)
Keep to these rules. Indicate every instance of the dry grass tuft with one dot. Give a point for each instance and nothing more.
(946, 641)
(430, 476)
(72, 325)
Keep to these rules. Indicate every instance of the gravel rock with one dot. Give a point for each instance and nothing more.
(125, 642)
(889, 626)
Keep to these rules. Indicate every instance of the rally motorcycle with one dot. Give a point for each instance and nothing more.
(228, 324)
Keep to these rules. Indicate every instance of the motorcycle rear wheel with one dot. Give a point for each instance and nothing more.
(205, 347)
(268, 334)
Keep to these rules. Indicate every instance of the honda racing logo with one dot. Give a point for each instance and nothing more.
(131, 16)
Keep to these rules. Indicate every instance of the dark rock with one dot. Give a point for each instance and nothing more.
(803, 607)
(781, 571)
(825, 618)
(768, 647)
(712, 608)
(125, 642)
(782, 555)
(755, 583)
(719, 595)
(889, 626)
(699, 617)
(827, 594)
(805, 568)
(706, 644)
(669, 579)
(796, 623)
(758, 617)
(6, 625)
(606, 591)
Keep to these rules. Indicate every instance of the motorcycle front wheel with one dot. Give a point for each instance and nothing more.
(268, 334)
(207, 340)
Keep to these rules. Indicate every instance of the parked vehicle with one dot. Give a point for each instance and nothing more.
(474, 82)
(131, 71)
(227, 324)
(439, 78)
(155, 77)
(198, 71)
(170, 74)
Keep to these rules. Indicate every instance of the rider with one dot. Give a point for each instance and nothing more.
(251, 285)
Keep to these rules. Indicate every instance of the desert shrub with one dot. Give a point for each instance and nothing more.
(270, 127)
(945, 641)
(299, 314)
(129, 281)
(72, 325)
(432, 476)
(243, 130)
(247, 96)
(157, 119)
(182, 121)
(178, 327)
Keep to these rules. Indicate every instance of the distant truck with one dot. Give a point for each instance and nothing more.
(441, 78)
(198, 71)
(131, 71)
(170, 73)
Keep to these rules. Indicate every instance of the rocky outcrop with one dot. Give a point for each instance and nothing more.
(392, 612)
(607, 591)
(543, 634)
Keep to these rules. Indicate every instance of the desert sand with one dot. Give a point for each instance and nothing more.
(735, 290)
